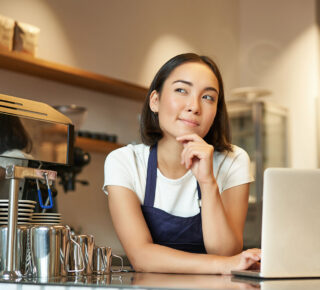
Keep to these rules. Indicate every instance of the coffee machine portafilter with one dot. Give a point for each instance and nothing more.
(35, 142)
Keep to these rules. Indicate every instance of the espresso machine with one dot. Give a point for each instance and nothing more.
(36, 143)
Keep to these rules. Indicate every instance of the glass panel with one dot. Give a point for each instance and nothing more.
(33, 139)
(242, 130)
(275, 140)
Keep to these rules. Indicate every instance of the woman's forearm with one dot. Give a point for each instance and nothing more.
(160, 259)
(219, 236)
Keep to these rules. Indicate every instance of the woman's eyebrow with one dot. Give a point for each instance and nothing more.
(211, 89)
(182, 81)
(190, 84)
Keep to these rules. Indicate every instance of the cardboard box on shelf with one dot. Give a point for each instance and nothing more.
(6, 32)
(26, 38)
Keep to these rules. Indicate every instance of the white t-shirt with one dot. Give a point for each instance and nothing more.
(127, 167)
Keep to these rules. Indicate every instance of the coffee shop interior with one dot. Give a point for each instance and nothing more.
(100, 56)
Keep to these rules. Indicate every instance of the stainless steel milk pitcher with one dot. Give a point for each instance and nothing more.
(108, 260)
(21, 260)
(86, 243)
(49, 246)
(102, 261)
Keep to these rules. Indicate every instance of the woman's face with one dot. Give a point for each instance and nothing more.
(188, 101)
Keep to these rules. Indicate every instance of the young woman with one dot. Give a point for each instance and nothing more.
(179, 201)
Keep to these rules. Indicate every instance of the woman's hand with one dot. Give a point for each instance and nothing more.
(248, 259)
(197, 155)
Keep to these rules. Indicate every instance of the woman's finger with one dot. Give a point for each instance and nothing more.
(189, 137)
(255, 257)
(188, 156)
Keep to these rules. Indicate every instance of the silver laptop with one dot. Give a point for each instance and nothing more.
(290, 242)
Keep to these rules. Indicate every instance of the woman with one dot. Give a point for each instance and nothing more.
(178, 202)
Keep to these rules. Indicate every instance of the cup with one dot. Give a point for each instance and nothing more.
(21, 260)
(77, 264)
(98, 261)
(102, 261)
(49, 246)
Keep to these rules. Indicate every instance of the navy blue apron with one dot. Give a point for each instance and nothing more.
(181, 233)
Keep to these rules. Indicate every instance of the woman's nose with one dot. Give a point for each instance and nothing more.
(193, 105)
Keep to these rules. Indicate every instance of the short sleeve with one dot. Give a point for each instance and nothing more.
(239, 171)
(117, 169)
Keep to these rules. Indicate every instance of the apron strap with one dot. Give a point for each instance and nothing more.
(199, 191)
(151, 182)
(151, 177)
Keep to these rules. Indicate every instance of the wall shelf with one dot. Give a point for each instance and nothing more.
(26, 64)
(96, 146)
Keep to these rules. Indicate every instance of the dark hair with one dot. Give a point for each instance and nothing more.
(219, 133)
(12, 134)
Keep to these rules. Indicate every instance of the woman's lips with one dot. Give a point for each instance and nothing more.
(191, 123)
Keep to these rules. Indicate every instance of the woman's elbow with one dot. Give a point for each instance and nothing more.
(137, 264)
(138, 261)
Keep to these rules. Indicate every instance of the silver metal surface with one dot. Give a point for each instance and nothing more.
(247, 273)
(14, 173)
(19, 263)
(102, 261)
(98, 261)
(48, 244)
(290, 223)
(12, 225)
(86, 243)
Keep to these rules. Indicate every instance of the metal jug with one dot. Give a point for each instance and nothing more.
(49, 245)
(77, 264)
(21, 260)
(102, 261)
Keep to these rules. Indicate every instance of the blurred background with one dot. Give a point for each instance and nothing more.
(268, 52)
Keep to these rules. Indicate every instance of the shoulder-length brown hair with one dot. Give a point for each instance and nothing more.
(219, 133)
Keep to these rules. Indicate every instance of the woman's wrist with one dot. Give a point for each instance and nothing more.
(221, 264)
(209, 185)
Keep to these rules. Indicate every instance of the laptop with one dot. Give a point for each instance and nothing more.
(290, 241)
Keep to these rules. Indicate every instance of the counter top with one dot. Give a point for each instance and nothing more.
(133, 280)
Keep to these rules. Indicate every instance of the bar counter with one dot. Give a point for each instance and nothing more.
(134, 280)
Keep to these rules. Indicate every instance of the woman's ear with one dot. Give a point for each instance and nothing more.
(154, 101)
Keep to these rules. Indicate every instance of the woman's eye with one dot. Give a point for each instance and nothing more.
(209, 98)
(179, 90)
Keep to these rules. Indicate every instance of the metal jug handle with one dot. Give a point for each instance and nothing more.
(120, 270)
(66, 261)
(31, 270)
